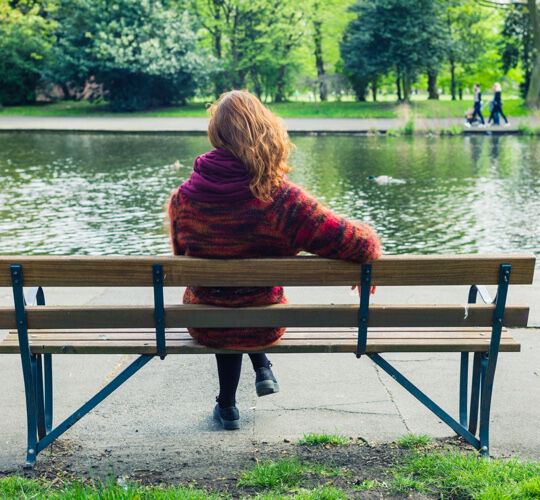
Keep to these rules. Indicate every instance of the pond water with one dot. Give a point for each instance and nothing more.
(104, 194)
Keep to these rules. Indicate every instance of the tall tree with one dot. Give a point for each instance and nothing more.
(143, 52)
(466, 39)
(26, 39)
(254, 40)
(533, 94)
(392, 35)
(517, 43)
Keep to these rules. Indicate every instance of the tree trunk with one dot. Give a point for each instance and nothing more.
(460, 92)
(407, 84)
(432, 84)
(280, 88)
(533, 94)
(453, 79)
(319, 62)
(398, 85)
(374, 89)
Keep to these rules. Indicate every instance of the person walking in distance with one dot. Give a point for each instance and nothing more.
(496, 108)
(478, 104)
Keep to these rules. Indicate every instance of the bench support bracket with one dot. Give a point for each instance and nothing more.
(159, 310)
(37, 375)
(363, 310)
(425, 400)
(483, 374)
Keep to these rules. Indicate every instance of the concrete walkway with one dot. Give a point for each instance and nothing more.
(297, 125)
(165, 408)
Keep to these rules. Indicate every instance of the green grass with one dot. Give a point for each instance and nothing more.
(465, 476)
(322, 439)
(333, 109)
(527, 129)
(284, 474)
(15, 487)
(409, 441)
(321, 493)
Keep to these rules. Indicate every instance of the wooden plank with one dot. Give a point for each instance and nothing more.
(202, 316)
(114, 335)
(293, 271)
(285, 346)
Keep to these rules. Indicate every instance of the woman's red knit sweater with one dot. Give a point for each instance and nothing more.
(291, 222)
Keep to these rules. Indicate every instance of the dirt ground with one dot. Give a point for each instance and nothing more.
(217, 469)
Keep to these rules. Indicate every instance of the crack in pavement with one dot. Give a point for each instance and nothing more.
(391, 396)
(335, 410)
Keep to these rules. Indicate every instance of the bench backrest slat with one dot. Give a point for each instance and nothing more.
(399, 270)
(177, 316)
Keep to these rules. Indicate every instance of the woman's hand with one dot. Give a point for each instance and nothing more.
(372, 289)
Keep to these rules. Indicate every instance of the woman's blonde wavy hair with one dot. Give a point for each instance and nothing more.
(240, 123)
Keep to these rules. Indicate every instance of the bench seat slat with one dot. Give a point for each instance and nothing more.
(142, 342)
(297, 334)
(474, 315)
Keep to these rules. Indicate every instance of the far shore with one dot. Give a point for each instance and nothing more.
(389, 126)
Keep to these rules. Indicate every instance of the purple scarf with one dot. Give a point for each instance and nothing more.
(218, 176)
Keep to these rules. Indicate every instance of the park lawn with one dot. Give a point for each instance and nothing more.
(296, 109)
(423, 469)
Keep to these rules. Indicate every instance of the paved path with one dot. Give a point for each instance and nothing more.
(166, 407)
(299, 125)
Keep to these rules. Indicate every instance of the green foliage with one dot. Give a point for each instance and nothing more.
(409, 441)
(254, 40)
(143, 52)
(392, 35)
(26, 37)
(321, 439)
(14, 487)
(284, 474)
(517, 44)
(322, 493)
(409, 127)
(460, 475)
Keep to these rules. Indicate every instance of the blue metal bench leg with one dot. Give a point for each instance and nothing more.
(475, 392)
(26, 361)
(463, 381)
(490, 360)
(37, 372)
(47, 369)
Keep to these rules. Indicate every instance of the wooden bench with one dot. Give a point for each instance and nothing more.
(38, 331)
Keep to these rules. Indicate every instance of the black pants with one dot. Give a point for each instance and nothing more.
(497, 108)
(478, 112)
(229, 367)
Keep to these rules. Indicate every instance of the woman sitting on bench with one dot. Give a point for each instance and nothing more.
(238, 203)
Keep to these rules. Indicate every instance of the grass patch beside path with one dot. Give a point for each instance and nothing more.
(444, 469)
(198, 110)
(409, 441)
(345, 109)
(15, 487)
(322, 439)
(464, 475)
(285, 474)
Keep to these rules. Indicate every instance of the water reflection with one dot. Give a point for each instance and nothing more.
(104, 193)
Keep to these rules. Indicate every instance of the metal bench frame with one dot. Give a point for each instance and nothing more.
(38, 379)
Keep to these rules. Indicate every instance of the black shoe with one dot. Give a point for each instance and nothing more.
(265, 382)
(228, 417)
